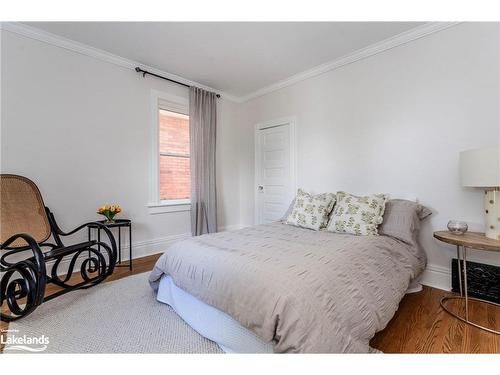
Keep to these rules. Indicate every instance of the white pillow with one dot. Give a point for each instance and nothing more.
(311, 211)
(357, 215)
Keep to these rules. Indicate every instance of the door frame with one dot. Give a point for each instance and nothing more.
(291, 121)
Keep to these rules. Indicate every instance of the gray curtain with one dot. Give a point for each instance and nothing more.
(202, 128)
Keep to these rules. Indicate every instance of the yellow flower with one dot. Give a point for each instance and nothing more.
(111, 208)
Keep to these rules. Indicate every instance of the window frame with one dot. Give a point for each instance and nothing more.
(172, 103)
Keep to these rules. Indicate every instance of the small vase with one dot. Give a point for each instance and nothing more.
(457, 227)
(109, 219)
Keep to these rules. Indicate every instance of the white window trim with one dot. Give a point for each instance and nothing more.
(172, 103)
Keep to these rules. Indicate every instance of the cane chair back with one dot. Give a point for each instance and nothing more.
(22, 210)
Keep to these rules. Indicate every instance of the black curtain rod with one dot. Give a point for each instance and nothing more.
(144, 72)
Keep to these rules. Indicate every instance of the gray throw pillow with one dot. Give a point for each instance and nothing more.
(402, 220)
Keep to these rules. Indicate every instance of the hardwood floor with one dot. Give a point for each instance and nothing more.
(419, 326)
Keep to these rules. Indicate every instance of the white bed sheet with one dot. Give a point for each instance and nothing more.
(210, 322)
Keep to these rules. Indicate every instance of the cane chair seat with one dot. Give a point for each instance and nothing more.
(22, 210)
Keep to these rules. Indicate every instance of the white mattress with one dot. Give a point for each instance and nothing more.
(210, 322)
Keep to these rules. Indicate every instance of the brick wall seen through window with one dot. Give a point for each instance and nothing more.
(175, 180)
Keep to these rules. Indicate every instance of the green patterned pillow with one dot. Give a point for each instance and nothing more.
(311, 211)
(357, 215)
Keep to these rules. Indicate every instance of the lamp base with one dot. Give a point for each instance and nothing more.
(492, 209)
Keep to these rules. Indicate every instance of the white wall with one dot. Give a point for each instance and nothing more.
(394, 122)
(227, 164)
(80, 128)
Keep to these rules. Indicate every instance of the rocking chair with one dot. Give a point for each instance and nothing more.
(25, 229)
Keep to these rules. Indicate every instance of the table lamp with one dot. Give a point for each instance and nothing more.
(481, 168)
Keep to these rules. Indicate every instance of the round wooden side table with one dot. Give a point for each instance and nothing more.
(471, 240)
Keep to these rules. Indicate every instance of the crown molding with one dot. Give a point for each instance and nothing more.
(384, 45)
(84, 49)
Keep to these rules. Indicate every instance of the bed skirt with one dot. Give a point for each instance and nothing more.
(210, 322)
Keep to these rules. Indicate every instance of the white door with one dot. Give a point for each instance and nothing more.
(275, 172)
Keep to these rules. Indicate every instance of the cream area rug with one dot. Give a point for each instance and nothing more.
(121, 316)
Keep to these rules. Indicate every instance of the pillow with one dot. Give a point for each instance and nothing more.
(357, 215)
(288, 211)
(402, 220)
(311, 211)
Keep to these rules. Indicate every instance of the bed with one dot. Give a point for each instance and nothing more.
(284, 289)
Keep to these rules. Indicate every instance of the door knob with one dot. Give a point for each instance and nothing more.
(261, 188)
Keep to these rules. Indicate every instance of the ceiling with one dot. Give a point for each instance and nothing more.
(234, 57)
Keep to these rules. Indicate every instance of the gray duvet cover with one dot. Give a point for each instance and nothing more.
(309, 292)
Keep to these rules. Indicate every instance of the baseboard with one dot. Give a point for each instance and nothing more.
(139, 249)
(155, 246)
(436, 277)
(144, 248)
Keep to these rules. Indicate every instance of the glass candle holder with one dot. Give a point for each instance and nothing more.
(457, 227)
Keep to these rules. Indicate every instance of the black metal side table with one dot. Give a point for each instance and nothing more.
(118, 223)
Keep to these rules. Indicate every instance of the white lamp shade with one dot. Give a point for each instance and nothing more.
(480, 168)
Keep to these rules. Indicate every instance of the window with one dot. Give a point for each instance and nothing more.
(175, 182)
(170, 181)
